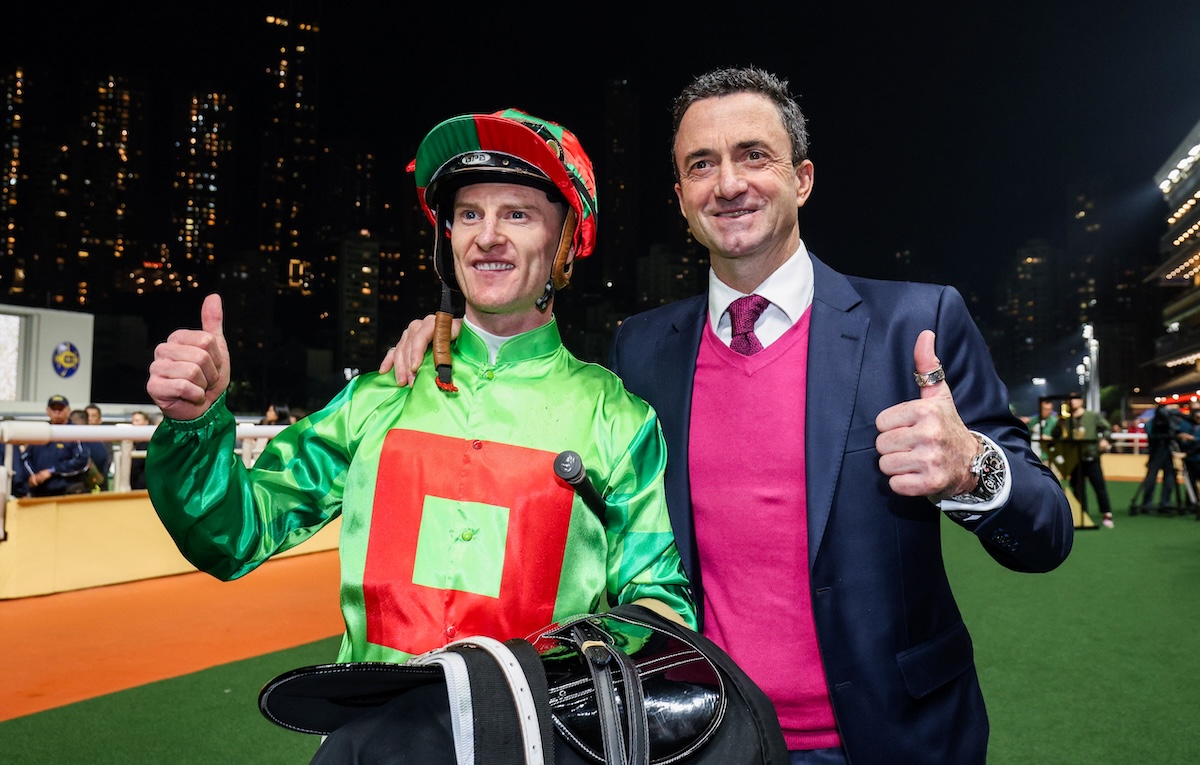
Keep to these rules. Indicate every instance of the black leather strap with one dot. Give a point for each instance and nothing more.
(626, 738)
(611, 735)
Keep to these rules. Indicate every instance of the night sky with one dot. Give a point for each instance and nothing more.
(955, 131)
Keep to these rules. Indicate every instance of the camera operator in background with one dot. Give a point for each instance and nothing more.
(1188, 440)
(1161, 433)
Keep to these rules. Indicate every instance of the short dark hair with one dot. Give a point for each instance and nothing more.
(748, 79)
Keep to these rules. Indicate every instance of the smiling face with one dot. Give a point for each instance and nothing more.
(738, 187)
(504, 237)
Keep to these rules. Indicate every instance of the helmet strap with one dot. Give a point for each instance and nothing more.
(442, 323)
(560, 272)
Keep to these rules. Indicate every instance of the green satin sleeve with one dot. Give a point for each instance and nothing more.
(227, 519)
(643, 559)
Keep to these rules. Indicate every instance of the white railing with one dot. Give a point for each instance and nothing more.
(13, 433)
(1128, 443)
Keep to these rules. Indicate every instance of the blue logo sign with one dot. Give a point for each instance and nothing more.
(66, 359)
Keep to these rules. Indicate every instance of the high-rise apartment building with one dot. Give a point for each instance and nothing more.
(1030, 314)
(290, 150)
(201, 195)
(358, 314)
(69, 197)
(107, 189)
(14, 181)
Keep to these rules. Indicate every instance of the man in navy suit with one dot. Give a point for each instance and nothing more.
(814, 444)
(808, 470)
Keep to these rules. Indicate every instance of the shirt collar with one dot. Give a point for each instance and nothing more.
(789, 288)
(482, 347)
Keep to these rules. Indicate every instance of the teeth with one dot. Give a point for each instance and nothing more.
(493, 266)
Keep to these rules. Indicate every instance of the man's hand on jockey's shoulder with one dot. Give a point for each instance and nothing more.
(406, 355)
(191, 369)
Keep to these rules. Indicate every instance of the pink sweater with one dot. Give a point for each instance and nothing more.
(749, 501)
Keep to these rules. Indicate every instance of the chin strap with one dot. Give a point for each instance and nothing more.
(442, 324)
(560, 272)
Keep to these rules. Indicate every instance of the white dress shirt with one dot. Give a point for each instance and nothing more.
(789, 288)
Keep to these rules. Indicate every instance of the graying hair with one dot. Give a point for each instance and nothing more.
(749, 79)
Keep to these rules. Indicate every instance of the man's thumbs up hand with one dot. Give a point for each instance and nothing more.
(923, 445)
(932, 382)
(191, 369)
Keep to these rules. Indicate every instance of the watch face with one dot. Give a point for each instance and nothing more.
(991, 473)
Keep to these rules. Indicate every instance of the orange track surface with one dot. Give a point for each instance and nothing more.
(67, 647)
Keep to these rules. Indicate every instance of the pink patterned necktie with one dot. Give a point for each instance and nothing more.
(743, 312)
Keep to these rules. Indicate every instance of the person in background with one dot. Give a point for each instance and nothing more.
(1161, 433)
(20, 486)
(277, 414)
(1189, 442)
(815, 441)
(1091, 430)
(96, 417)
(465, 463)
(58, 467)
(97, 474)
(1042, 428)
(137, 465)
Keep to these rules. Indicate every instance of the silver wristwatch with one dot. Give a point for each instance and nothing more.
(988, 469)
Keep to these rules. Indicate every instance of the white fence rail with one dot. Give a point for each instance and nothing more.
(1129, 443)
(251, 438)
(14, 433)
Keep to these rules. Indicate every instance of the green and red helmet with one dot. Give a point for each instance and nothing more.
(507, 146)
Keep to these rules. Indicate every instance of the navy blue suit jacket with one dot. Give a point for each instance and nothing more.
(898, 659)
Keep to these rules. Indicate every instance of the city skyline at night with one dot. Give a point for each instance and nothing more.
(944, 143)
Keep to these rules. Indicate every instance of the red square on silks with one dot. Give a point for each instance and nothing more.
(478, 515)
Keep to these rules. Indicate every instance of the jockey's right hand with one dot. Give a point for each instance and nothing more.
(191, 369)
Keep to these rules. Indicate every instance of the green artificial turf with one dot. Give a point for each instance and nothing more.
(1095, 663)
(204, 718)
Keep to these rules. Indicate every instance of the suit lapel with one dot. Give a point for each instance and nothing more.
(836, 343)
(675, 369)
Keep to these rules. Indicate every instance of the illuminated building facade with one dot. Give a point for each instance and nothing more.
(1178, 351)
(290, 151)
(107, 190)
(201, 200)
(358, 284)
(14, 180)
(68, 203)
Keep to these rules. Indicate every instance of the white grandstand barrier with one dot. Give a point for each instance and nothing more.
(14, 433)
(1130, 443)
